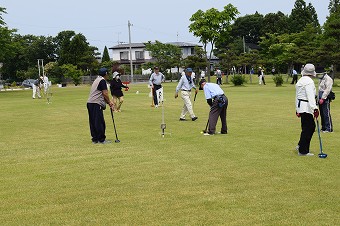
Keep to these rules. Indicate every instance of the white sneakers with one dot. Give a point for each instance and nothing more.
(308, 154)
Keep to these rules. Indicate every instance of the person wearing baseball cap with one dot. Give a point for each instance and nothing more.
(306, 108)
(218, 103)
(96, 103)
(116, 86)
(185, 84)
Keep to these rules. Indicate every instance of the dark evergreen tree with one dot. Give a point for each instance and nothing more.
(249, 27)
(331, 36)
(302, 15)
(334, 5)
(106, 57)
(275, 23)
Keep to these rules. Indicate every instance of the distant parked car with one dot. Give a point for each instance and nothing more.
(28, 83)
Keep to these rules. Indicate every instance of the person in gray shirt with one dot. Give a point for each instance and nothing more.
(96, 103)
(185, 84)
(155, 82)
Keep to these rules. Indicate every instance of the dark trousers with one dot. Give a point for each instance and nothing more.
(326, 119)
(219, 81)
(295, 78)
(215, 112)
(155, 88)
(97, 122)
(308, 129)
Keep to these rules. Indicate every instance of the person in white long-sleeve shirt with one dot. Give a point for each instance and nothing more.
(306, 108)
(185, 84)
(325, 87)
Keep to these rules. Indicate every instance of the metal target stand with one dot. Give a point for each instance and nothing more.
(48, 92)
(161, 100)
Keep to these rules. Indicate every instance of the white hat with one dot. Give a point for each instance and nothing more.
(309, 69)
(115, 74)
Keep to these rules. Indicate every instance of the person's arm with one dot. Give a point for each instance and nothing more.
(179, 86)
(151, 80)
(310, 96)
(107, 98)
(102, 86)
(122, 85)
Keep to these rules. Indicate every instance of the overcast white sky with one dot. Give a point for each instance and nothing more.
(104, 22)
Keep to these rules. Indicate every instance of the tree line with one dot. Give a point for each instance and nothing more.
(272, 40)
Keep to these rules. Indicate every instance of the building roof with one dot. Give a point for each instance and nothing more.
(142, 45)
(126, 46)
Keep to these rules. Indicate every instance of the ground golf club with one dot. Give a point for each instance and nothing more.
(114, 126)
(206, 127)
(321, 154)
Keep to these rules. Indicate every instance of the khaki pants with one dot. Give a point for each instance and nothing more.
(187, 107)
(115, 101)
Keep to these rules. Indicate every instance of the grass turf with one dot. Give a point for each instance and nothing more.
(51, 173)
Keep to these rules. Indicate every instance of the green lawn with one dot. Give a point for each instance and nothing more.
(51, 173)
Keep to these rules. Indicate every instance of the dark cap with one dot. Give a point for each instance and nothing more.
(188, 69)
(155, 67)
(200, 83)
(103, 71)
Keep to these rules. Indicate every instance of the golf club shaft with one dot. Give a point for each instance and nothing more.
(320, 142)
(114, 125)
(206, 127)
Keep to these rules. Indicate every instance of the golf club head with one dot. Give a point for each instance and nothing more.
(117, 141)
(322, 155)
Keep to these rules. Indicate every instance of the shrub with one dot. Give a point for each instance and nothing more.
(238, 80)
(278, 80)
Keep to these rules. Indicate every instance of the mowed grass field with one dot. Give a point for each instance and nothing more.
(51, 173)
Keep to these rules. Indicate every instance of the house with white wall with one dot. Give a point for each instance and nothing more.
(121, 52)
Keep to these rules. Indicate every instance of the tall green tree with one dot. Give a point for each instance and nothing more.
(249, 27)
(2, 11)
(74, 49)
(302, 15)
(334, 6)
(63, 40)
(211, 26)
(331, 36)
(106, 56)
(275, 23)
(166, 55)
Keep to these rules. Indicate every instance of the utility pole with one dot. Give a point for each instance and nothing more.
(131, 66)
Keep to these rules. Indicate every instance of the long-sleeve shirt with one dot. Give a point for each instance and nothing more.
(212, 90)
(156, 79)
(184, 84)
(325, 86)
(305, 95)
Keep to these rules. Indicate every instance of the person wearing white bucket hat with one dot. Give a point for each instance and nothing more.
(306, 108)
(116, 86)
